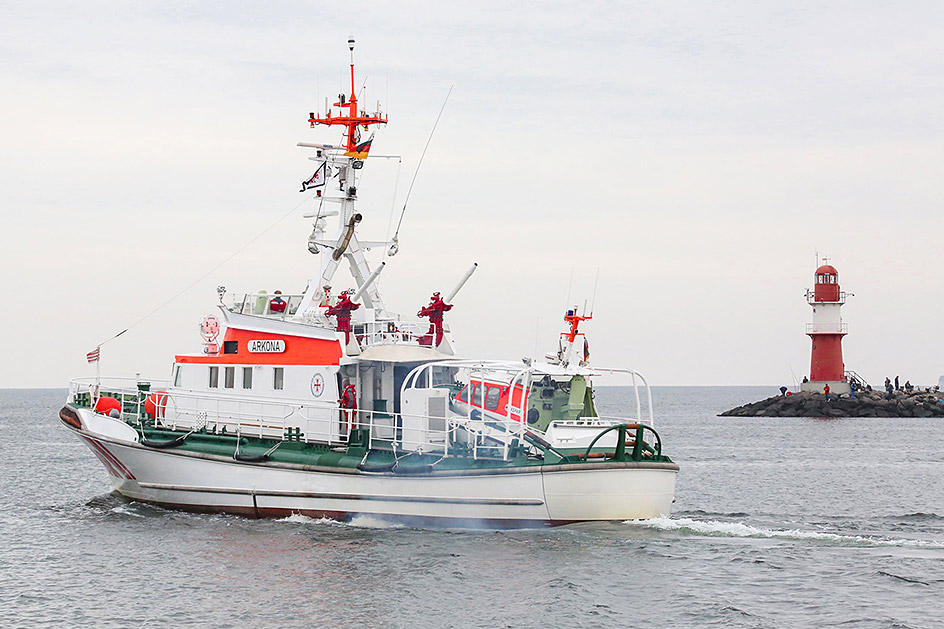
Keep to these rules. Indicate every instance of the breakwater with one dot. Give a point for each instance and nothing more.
(925, 403)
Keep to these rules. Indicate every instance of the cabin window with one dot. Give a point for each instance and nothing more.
(247, 377)
(229, 377)
(492, 397)
(230, 347)
(443, 375)
(278, 378)
(214, 377)
(178, 376)
(476, 394)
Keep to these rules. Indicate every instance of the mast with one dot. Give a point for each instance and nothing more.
(346, 160)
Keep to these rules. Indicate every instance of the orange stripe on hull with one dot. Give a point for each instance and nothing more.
(298, 351)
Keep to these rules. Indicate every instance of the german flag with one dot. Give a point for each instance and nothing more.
(360, 150)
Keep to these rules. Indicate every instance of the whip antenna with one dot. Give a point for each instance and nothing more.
(569, 285)
(395, 247)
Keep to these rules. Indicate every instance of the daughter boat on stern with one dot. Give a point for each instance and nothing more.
(344, 409)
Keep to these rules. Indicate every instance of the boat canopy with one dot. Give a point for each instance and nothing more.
(397, 353)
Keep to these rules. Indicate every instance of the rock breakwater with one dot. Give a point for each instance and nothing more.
(926, 403)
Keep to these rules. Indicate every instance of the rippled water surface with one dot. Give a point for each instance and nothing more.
(777, 523)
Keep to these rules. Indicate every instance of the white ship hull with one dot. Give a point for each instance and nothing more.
(540, 495)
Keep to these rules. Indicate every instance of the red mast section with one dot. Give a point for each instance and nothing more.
(574, 320)
(352, 120)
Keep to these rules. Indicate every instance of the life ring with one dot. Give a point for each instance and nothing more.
(348, 404)
(155, 404)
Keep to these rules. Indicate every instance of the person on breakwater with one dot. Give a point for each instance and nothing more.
(826, 392)
(897, 388)
(783, 391)
(889, 389)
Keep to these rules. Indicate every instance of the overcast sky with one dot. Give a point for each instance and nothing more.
(699, 154)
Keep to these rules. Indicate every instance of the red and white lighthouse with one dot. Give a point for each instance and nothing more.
(826, 332)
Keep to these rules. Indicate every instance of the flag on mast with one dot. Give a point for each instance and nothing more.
(318, 179)
(360, 150)
(94, 355)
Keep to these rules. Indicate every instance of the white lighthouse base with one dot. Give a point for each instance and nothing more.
(835, 387)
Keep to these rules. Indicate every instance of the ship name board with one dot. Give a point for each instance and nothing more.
(266, 346)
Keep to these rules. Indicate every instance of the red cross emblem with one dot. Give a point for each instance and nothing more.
(317, 385)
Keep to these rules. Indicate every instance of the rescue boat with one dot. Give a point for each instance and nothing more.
(337, 407)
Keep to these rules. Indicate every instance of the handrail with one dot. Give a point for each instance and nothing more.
(850, 375)
(322, 422)
(639, 443)
(266, 417)
(635, 374)
(260, 304)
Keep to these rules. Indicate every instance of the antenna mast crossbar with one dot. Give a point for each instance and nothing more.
(353, 118)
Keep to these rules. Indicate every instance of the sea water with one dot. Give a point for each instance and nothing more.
(778, 522)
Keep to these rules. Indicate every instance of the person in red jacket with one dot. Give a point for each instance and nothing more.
(342, 310)
(277, 304)
(434, 311)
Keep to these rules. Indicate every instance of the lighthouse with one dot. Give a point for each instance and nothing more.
(826, 332)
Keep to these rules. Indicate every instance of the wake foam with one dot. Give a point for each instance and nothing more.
(125, 510)
(298, 518)
(714, 528)
(358, 521)
(373, 522)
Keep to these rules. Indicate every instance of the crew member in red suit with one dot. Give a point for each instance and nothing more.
(342, 310)
(277, 304)
(434, 311)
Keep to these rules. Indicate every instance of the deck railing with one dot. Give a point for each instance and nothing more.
(367, 334)
(277, 419)
(478, 436)
(267, 305)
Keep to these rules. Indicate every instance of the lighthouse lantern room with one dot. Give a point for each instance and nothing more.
(826, 331)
